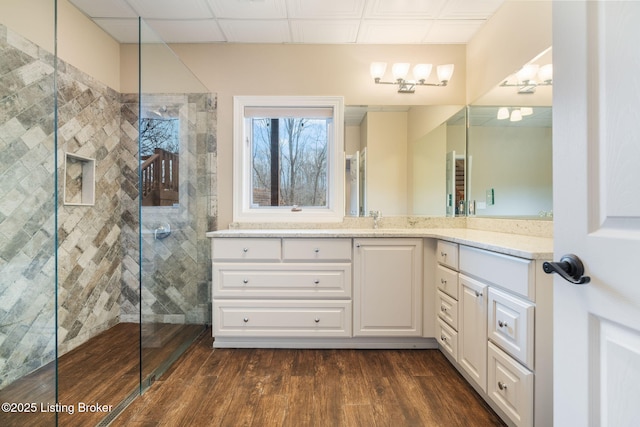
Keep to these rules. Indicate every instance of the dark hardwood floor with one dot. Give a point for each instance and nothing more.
(280, 387)
(104, 370)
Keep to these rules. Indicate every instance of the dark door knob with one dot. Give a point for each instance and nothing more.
(569, 267)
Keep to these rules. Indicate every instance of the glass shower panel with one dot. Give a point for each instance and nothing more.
(27, 213)
(175, 123)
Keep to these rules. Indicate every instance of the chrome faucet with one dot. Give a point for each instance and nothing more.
(377, 215)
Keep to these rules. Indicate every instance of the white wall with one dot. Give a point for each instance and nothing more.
(81, 43)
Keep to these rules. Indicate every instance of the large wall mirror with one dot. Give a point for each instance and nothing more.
(509, 151)
(405, 160)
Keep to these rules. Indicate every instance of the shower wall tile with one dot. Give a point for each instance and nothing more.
(27, 276)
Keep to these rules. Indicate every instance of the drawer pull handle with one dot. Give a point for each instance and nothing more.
(245, 250)
(245, 320)
(501, 385)
(245, 281)
(502, 324)
(316, 282)
(317, 320)
(478, 294)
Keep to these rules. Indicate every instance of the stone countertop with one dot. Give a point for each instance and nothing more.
(510, 244)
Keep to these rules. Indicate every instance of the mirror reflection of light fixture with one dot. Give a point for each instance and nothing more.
(530, 77)
(513, 114)
(421, 73)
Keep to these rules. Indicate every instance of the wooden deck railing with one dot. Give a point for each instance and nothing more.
(160, 178)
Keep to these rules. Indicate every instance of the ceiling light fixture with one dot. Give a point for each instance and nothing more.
(530, 77)
(421, 73)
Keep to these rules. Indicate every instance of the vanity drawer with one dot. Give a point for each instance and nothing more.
(326, 280)
(236, 249)
(447, 309)
(510, 387)
(512, 273)
(316, 249)
(447, 254)
(447, 281)
(280, 318)
(511, 324)
(447, 338)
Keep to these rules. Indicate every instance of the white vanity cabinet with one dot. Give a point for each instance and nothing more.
(472, 333)
(280, 287)
(447, 306)
(387, 287)
(504, 334)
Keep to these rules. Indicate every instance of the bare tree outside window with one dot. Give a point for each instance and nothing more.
(301, 151)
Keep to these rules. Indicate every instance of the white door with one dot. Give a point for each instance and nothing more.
(596, 156)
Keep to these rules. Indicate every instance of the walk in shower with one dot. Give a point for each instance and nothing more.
(105, 198)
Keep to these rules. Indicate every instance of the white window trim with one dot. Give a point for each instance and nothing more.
(242, 211)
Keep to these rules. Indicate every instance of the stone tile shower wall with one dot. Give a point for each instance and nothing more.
(89, 244)
(176, 273)
(27, 262)
(98, 282)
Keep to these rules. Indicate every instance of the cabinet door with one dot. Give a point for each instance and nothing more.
(472, 329)
(387, 287)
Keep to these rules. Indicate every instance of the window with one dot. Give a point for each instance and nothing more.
(287, 157)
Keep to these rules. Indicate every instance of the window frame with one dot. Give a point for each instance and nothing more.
(242, 209)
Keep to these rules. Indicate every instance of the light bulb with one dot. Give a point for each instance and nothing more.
(445, 72)
(545, 73)
(528, 72)
(400, 70)
(378, 69)
(422, 71)
(503, 113)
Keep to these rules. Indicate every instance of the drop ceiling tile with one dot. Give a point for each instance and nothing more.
(470, 9)
(192, 31)
(171, 9)
(105, 9)
(404, 9)
(236, 31)
(123, 30)
(393, 32)
(325, 9)
(249, 9)
(444, 31)
(324, 31)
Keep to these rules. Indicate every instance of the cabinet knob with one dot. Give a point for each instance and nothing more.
(317, 320)
(245, 320)
(443, 309)
(501, 385)
(245, 250)
(443, 281)
(443, 254)
(443, 338)
(316, 250)
(478, 294)
(245, 281)
(502, 324)
(316, 282)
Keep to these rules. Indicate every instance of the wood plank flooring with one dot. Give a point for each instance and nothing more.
(282, 387)
(104, 370)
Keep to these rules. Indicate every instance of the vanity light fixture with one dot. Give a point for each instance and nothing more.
(530, 77)
(421, 73)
